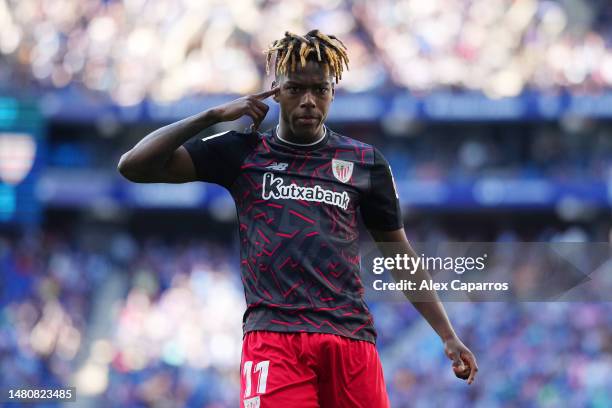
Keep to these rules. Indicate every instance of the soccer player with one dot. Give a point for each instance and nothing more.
(309, 339)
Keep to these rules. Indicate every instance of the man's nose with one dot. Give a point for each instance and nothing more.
(307, 100)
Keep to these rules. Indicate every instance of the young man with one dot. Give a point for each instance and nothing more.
(309, 339)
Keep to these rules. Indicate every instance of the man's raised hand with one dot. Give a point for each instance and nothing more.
(251, 105)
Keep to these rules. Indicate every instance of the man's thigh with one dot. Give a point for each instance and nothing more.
(351, 374)
(274, 372)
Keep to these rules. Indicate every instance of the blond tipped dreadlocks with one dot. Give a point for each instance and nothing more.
(294, 48)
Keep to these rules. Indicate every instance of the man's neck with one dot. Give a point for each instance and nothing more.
(288, 137)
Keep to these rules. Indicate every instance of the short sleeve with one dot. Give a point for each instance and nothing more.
(380, 207)
(218, 158)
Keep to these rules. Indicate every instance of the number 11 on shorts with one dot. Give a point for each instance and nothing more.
(262, 369)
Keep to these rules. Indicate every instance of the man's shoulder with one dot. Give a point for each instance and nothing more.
(226, 148)
(231, 136)
(351, 149)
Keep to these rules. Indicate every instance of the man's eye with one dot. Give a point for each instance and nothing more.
(293, 89)
(323, 90)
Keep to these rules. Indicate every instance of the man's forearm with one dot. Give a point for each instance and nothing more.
(156, 148)
(427, 302)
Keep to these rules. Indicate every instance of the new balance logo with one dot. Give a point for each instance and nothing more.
(278, 166)
(273, 188)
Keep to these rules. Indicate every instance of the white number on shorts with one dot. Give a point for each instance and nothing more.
(262, 368)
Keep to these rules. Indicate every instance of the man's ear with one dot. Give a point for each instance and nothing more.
(275, 96)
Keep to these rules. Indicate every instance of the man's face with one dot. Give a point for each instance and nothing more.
(304, 97)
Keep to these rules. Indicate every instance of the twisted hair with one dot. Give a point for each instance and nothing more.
(328, 50)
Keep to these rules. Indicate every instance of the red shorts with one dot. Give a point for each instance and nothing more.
(309, 370)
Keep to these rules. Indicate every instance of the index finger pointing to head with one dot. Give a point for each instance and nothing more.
(265, 94)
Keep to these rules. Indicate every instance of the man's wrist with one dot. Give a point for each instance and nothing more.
(207, 118)
(448, 336)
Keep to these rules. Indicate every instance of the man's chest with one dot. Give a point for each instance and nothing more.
(317, 179)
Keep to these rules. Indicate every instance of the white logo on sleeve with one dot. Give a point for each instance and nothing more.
(343, 170)
(394, 185)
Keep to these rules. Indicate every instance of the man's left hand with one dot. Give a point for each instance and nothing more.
(464, 362)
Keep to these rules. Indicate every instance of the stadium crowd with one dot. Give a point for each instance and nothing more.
(500, 47)
(146, 321)
(175, 329)
(456, 152)
(425, 152)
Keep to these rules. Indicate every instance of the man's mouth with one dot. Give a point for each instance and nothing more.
(307, 120)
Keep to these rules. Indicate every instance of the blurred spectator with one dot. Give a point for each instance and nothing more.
(175, 336)
(165, 49)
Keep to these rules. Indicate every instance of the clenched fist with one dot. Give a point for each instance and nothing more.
(464, 363)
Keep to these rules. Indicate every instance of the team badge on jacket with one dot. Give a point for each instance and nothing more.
(343, 170)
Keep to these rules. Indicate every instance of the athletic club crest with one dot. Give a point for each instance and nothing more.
(343, 170)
